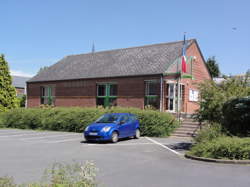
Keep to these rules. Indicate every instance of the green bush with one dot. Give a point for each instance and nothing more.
(236, 116)
(213, 96)
(208, 133)
(64, 175)
(152, 123)
(223, 148)
(7, 182)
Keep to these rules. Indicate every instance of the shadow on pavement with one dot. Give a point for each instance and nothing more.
(183, 146)
(105, 142)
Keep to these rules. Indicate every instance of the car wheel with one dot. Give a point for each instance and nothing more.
(137, 134)
(114, 137)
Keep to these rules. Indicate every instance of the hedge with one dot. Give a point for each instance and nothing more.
(153, 123)
(233, 148)
(236, 116)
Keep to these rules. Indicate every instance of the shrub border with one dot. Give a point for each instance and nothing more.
(222, 161)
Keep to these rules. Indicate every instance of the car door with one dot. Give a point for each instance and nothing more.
(131, 125)
(124, 126)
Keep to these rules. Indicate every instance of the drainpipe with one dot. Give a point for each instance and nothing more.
(161, 94)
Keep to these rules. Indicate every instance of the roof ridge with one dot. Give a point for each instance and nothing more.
(143, 46)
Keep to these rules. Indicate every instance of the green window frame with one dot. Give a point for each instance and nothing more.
(109, 96)
(47, 95)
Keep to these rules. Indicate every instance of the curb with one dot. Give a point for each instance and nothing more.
(243, 162)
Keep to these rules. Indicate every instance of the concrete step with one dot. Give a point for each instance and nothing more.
(190, 122)
(187, 135)
(189, 125)
(185, 130)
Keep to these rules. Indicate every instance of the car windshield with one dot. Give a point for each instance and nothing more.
(107, 118)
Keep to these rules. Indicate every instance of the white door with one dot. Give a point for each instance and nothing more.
(171, 97)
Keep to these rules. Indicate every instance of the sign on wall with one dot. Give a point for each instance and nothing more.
(193, 95)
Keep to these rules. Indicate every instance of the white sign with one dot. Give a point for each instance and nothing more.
(193, 95)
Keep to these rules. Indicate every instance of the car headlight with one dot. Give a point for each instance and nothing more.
(87, 128)
(106, 129)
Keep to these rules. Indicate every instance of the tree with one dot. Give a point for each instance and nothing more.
(213, 97)
(8, 97)
(42, 69)
(213, 67)
(248, 73)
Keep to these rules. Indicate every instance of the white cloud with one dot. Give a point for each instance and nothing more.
(20, 73)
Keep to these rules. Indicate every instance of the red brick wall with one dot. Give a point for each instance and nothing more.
(131, 91)
(200, 73)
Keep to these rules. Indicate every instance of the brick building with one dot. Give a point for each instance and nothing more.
(19, 83)
(130, 77)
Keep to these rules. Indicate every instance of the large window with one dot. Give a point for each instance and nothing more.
(106, 94)
(47, 95)
(152, 93)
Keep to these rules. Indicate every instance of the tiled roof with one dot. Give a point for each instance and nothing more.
(144, 60)
(19, 82)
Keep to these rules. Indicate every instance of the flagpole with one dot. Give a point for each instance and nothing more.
(179, 80)
(178, 97)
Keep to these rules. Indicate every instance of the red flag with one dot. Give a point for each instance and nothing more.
(183, 64)
(183, 59)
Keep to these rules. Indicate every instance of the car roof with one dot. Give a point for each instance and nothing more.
(120, 114)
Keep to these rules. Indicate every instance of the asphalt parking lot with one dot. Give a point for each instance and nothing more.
(24, 154)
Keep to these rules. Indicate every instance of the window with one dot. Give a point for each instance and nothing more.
(107, 118)
(47, 95)
(101, 91)
(124, 119)
(106, 94)
(113, 89)
(152, 90)
(193, 95)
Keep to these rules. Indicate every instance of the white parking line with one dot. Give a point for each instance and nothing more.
(61, 141)
(35, 138)
(117, 144)
(10, 134)
(16, 135)
(165, 147)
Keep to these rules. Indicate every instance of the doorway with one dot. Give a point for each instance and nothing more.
(172, 97)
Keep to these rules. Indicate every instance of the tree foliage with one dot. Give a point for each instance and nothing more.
(213, 67)
(8, 98)
(213, 97)
(236, 116)
(42, 69)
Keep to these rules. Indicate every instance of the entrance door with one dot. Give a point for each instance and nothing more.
(106, 94)
(171, 97)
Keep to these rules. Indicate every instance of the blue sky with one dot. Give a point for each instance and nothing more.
(37, 33)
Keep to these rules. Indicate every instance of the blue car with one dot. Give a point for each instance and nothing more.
(111, 127)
